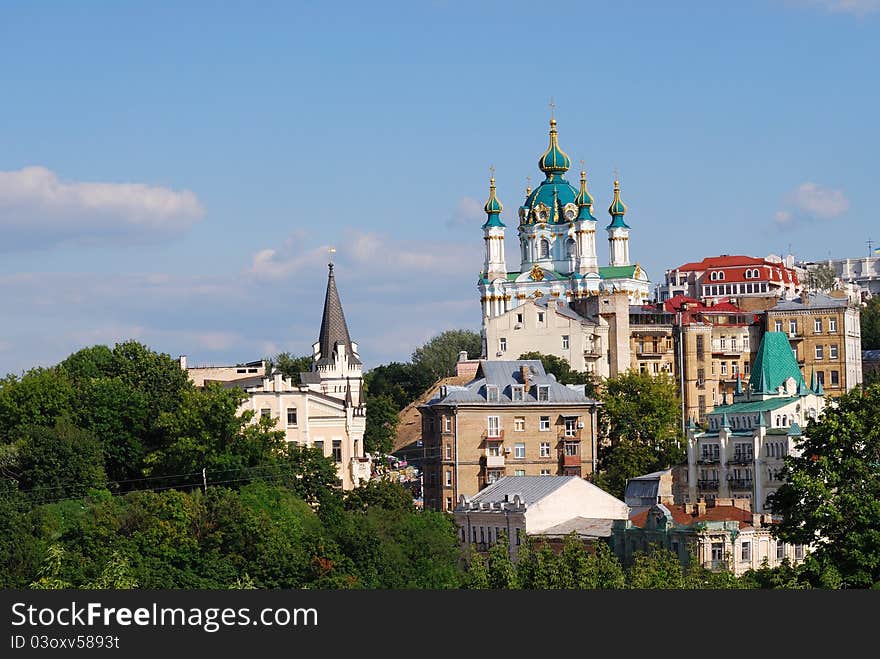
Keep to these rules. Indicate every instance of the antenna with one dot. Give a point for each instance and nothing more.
(331, 251)
(870, 247)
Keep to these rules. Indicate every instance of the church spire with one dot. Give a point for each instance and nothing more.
(334, 331)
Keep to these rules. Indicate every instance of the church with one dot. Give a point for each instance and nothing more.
(559, 283)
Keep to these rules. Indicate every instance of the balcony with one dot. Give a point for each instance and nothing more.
(592, 353)
(741, 460)
(708, 485)
(709, 460)
(740, 484)
(728, 349)
(498, 436)
(571, 460)
(494, 461)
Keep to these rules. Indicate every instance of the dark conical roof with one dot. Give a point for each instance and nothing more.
(333, 327)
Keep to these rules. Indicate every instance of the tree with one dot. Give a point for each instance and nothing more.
(821, 278)
(39, 398)
(563, 372)
(830, 497)
(656, 569)
(388, 495)
(870, 324)
(289, 366)
(381, 427)
(438, 356)
(59, 462)
(402, 382)
(639, 428)
(502, 571)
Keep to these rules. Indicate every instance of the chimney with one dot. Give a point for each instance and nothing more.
(701, 506)
(462, 356)
(278, 377)
(182, 361)
(524, 374)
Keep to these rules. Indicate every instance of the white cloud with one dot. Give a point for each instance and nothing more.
(783, 217)
(37, 209)
(857, 7)
(468, 213)
(819, 202)
(274, 265)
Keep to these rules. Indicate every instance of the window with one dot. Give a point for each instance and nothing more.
(540, 316)
(565, 341)
(545, 472)
(519, 423)
(319, 445)
(449, 505)
(519, 318)
(448, 478)
(519, 472)
(835, 378)
(832, 352)
(543, 392)
(545, 449)
(492, 393)
(699, 347)
(778, 325)
(819, 352)
(572, 448)
(817, 326)
(544, 246)
(337, 450)
(447, 424)
(544, 423)
(502, 344)
(265, 413)
(570, 248)
(780, 550)
(291, 417)
(494, 449)
(798, 551)
(701, 377)
(723, 342)
(820, 376)
(746, 554)
(792, 327)
(448, 449)
(517, 392)
(832, 324)
(519, 450)
(717, 551)
(746, 368)
(493, 424)
(723, 368)
(571, 427)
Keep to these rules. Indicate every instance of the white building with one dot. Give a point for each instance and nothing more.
(326, 410)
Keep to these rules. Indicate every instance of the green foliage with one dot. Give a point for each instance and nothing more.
(289, 366)
(50, 570)
(381, 426)
(563, 372)
(502, 571)
(403, 383)
(39, 398)
(58, 462)
(831, 494)
(438, 356)
(476, 570)
(658, 568)
(870, 324)
(639, 426)
(388, 495)
(821, 278)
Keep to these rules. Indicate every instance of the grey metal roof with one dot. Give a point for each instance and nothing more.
(816, 300)
(583, 526)
(561, 308)
(310, 377)
(334, 329)
(506, 374)
(870, 355)
(529, 488)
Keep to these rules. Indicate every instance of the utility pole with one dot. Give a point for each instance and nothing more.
(205, 479)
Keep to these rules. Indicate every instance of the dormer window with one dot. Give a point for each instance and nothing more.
(517, 392)
(491, 393)
(543, 392)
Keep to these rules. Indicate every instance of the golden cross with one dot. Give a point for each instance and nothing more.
(331, 251)
(492, 170)
(552, 107)
(582, 164)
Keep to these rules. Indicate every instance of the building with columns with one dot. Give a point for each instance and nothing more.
(325, 410)
(740, 451)
(557, 241)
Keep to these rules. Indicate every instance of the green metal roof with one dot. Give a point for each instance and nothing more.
(774, 364)
(753, 406)
(617, 272)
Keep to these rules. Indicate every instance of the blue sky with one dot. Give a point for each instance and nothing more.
(174, 172)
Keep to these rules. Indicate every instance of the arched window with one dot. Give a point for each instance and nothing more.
(570, 248)
(525, 251)
(544, 248)
(784, 420)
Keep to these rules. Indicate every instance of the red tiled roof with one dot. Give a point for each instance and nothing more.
(734, 268)
(722, 262)
(715, 514)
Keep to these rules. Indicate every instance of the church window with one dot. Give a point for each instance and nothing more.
(540, 316)
(565, 341)
(544, 248)
(570, 248)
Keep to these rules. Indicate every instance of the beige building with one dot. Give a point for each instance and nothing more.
(723, 534)
(326, 410)
(825, 334)
(739, 452)
(519, 506)
(512, 419)
(652, 340)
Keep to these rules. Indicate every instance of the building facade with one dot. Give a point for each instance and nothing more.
(326, 409)
(517, 507)
(511, 419)
(739, 452)
(737, 278)
(864, 271)
(825, 334)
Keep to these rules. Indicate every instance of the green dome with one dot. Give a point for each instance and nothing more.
(584, 200)
(552, 196)
(555, 160)
(493, 207)
(617, 209)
